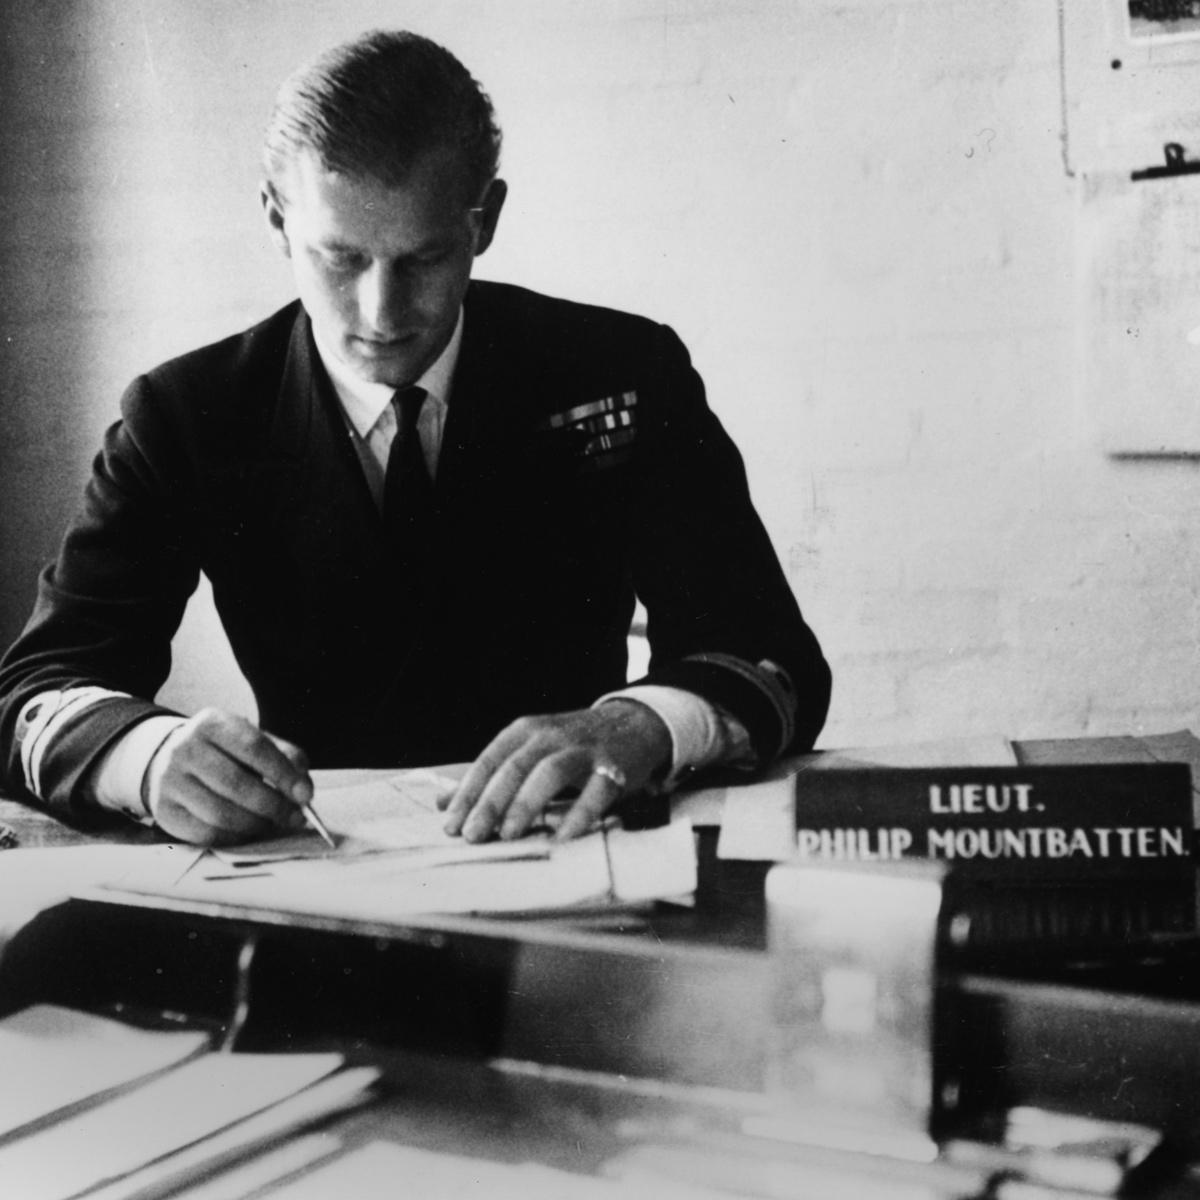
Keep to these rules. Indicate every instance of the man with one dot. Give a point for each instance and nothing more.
(426, 506)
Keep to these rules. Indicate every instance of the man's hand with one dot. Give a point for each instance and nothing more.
(219, 778)
(537, 759)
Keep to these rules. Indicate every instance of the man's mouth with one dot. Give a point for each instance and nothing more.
(382, 346)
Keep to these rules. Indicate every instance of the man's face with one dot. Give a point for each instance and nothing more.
(382, 269)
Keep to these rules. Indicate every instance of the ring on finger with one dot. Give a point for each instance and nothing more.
(613, 774)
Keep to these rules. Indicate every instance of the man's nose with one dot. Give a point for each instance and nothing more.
(383, 298)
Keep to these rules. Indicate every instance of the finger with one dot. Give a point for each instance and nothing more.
(299, 762)
(489, 810)
(230, 781)
(182, 824)
(190, 764)
(462, 799)
(188, 810)
(548, 779)
(599, 794)
(258, 754)
(480, 773)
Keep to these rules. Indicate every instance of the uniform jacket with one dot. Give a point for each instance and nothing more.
(580, 466)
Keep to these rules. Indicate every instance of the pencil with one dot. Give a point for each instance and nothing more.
(310, 815)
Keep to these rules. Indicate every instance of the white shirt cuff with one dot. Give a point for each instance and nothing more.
(701, 735)
(117, 781)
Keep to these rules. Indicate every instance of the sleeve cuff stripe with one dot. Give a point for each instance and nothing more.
(44, 717)
(762, 678)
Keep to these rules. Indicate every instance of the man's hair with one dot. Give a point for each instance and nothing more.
(373, 106)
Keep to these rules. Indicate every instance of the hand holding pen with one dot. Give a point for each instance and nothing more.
(219, 779)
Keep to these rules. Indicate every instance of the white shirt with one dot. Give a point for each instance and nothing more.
(372, 419)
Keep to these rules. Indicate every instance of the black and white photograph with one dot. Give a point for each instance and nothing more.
(599, 598)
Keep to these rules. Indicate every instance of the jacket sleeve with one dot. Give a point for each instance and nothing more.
(98, 644)
(722, 619)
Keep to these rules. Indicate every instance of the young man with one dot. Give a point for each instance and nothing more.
(426, 506)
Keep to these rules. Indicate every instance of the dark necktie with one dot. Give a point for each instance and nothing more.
(407, 488)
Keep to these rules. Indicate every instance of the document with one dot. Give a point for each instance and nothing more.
(65, 1058)
(758, 822)
(377, 812)
(383, 1171)
(610, 866)
(252, 1176)
(253, 1145)
(35, 879)
(159, 1118)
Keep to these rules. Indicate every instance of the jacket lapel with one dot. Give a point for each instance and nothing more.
(326, 513)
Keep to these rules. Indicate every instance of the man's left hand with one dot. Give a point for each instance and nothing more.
(604, 753)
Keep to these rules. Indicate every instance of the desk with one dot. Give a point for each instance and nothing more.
(551, 1042)
(36, 828)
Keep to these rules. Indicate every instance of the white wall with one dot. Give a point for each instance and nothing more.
(855, 213)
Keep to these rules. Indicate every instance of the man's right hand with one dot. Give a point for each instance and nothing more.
(218, 778)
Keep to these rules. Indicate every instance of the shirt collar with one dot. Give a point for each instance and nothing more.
(363, 402)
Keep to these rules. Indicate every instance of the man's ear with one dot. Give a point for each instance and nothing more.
(272, 204)
(493, 202)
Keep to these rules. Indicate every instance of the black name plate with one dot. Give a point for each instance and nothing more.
(1077, 823)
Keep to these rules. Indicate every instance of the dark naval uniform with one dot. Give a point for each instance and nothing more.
(580, 468)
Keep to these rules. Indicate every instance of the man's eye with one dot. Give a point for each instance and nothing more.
(430, 260)
(340, 260)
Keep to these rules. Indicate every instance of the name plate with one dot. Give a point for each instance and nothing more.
(1068, 824)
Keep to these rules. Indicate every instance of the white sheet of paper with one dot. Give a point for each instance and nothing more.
(396, 811)
(332, 1095)
(653, 864)
(252, 1176)
(384, 1170)
(158, 1118)
(62, 1058)
(982, 751)
(646, 864)
(35, 878)
(759, 819)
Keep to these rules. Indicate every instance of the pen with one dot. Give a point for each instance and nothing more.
(310, 815)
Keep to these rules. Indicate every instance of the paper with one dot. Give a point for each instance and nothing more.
(383, 1171)
(652, 864)
(399, 812)
(1137, 312)
(158, 1118)
(950, 752)
(251, 1177)
(396, 811)
(336, 1094)
(35, 879)
(63, 1058)
(604, 867)
(759, 820)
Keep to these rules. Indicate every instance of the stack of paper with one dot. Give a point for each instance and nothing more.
(128, 1114)
(65, 1058)
(610, 866)
(394, 860)
(382, 1171)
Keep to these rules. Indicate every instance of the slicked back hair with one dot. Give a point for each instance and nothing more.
(372, 106)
